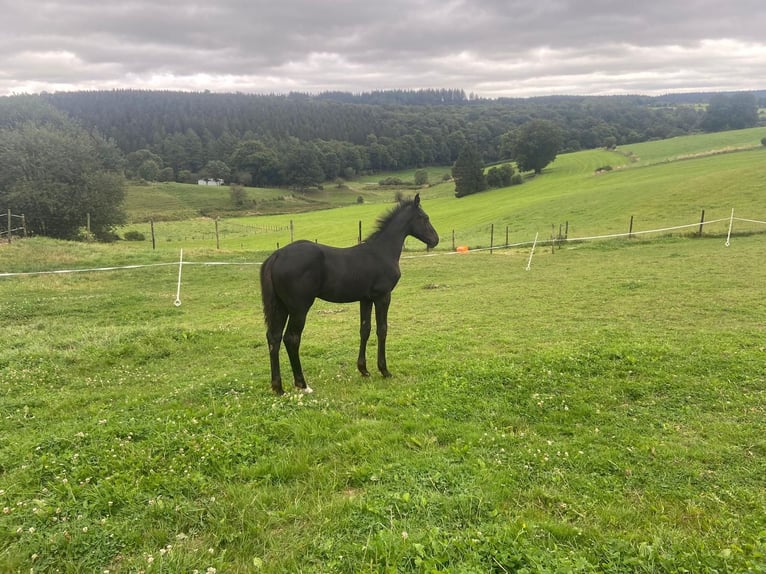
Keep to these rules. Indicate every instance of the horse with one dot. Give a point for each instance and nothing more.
(293, 277)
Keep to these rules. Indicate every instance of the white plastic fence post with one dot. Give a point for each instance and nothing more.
(180, 268)
(731, 223)
(531, 253)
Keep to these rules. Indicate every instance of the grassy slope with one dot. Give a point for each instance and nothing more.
(659, 191)
(603, 412)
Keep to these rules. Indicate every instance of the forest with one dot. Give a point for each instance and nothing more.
(66, 154)
(299, 139)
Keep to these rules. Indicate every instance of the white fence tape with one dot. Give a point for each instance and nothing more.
(532, 243)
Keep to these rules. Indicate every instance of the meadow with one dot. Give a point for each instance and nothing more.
(660, 184)
(603, 411)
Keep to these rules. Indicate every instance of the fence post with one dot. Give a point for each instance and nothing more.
(154, 242)
(9, 226)
(217, 239)
(506, 237)
(731, 224)
(292, 231)
(553, 238)
(630, 231)
(453, 240)
(360, 231)
(702, 222)
(491, 237)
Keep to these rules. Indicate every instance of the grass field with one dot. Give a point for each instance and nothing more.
(604, 411)
(670, 185)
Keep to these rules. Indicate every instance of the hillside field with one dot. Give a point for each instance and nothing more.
(660, 184)
(600, 407)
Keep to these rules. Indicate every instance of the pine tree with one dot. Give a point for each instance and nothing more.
(468, 172)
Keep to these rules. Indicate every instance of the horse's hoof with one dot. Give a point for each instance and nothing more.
(307, 389)
(276, 386)
(386, 374)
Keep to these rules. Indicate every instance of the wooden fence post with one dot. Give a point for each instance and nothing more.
(553, 238)
(630, 231)
(702, 222)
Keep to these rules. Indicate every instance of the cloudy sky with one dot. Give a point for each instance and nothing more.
(490, 48)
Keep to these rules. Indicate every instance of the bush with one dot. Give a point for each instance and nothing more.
(391, 181)
(238, 195)
(134, 235)
(499, 176)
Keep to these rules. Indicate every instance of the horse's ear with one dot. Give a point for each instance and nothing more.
(417, 199)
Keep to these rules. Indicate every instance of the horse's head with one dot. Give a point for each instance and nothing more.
(420, 225)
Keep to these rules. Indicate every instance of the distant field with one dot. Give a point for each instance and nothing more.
(662, 189)
(692, 146)
(179, 202)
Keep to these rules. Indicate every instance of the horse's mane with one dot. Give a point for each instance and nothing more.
(384, 220)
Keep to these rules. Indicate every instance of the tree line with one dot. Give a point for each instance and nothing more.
(65, 154)
(297, 139)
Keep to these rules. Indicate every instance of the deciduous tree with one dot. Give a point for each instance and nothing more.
(57, 175)
(535, 145)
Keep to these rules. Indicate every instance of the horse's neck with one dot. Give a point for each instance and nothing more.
(389, 241)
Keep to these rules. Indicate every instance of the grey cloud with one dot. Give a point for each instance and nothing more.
(490, 47)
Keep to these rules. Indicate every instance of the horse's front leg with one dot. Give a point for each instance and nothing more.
(365, 327)
(381, 325)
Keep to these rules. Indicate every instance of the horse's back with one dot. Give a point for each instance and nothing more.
(303, 271)
(295, 273)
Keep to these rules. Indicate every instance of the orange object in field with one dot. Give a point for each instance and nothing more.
(462, 249)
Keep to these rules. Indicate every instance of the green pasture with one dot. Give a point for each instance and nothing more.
(601, 412)
(670, 186)
(687, 147)
(595, 407)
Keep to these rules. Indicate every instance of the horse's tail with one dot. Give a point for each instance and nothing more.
(268, 296)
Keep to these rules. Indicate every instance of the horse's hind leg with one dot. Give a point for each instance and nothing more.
(365, 313)
(295, 326)
(274, 338)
